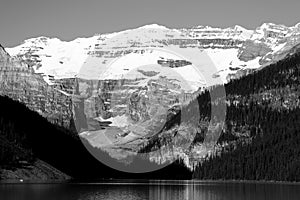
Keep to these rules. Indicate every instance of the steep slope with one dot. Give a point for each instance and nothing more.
(261, 139)
(20, 82)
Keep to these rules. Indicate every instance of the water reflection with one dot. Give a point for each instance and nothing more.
(218, 191)
(160, 190)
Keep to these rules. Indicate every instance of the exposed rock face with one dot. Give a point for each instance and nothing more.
(20, 82)
(251, 50)
(111, 100)
(121, 115)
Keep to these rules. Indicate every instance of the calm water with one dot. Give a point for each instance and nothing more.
(158, 190)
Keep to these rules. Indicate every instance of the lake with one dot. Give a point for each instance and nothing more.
(152, 190)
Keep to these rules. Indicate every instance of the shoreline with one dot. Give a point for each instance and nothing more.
(21, 181)
(144, 181)
(248, 181)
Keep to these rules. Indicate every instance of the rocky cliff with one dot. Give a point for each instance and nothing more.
(19, 82)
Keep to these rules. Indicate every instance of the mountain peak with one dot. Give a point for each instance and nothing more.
(297, 25)
(239, 28)
(272, 26)
(149, 26)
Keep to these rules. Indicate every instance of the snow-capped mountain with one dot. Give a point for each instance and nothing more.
(130, 83)
(234, 49)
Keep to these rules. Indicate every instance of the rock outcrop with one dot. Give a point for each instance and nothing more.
(251, 50)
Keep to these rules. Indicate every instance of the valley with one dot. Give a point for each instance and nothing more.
(155, 91)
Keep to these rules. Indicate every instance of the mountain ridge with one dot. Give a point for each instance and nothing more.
(243, 47)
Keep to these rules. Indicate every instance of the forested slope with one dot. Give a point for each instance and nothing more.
(265, 106)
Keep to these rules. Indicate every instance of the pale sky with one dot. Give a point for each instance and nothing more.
(69, 19)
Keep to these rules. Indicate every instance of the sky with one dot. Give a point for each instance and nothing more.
(69, 19)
